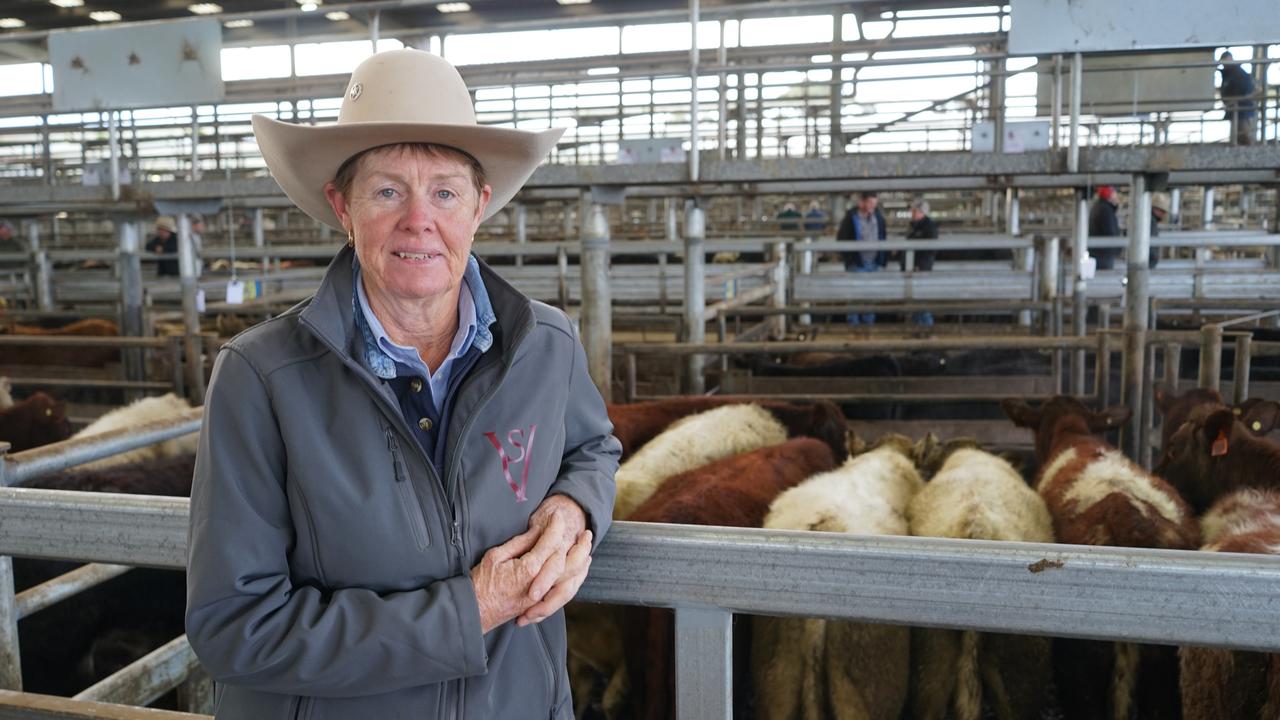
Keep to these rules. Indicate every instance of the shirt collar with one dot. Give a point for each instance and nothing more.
(475, 318)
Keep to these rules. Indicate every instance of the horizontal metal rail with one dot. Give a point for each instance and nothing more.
(864, 346)
(146, 679)
(30, 706)
(57, 456)
(43, 382)
(1059, 590)
(39, 597)
(96, 341)
(940, 308)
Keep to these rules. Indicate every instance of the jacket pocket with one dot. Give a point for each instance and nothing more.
(549, 668)
(409, 501)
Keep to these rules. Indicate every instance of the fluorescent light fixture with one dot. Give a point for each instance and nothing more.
(453, 7)
(11, 23)
(573, 2)
(205, 8)
(241, 23)
(308, 7)
(337, 15)
(105, 15)
(68, 3)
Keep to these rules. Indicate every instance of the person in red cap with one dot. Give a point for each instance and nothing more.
(1104, 223)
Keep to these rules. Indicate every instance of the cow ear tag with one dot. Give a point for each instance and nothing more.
(1220, 444)
(1256, 426)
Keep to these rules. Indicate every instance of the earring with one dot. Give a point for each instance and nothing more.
(351, 239)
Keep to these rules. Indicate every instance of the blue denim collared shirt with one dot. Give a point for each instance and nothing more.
(387, 360)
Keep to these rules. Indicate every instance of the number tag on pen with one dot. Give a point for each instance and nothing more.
(235, 292)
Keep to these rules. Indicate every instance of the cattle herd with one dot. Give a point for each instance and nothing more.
(795, 466)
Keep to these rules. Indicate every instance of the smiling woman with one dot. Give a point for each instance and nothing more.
(359, 547)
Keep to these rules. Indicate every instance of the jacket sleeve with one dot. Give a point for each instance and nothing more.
(846, 231)
(249, 624)
(591, 452)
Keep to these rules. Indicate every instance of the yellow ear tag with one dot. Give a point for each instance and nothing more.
(1256, 426)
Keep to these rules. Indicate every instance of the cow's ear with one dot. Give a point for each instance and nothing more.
(1022, 414)
(1112, 418)
(1217, 431)
(1261, 417)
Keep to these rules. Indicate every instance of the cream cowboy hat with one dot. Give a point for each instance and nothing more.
(399, 96)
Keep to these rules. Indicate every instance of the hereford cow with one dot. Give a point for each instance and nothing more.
(38, 420)
(734, 492)
(1213, 452)
(1220, 684)
(63, 356)
(978, 496)
(142, 411)
(810, 669)
(690, 443)
(635, 424)
(1096, 496)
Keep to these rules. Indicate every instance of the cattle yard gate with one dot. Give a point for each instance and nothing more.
(706, 574)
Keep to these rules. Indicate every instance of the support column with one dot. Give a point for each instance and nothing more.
(1244, 363)
(1080, 287)
(1136, 315)
(130, 265)
(778, 323)
(673, 219)
(42, 269)
(195, 143)
(722, 106)
(189, 276)
(597, 305)
(694, 16)
(1175, 207)
(997, 103)
(837, 84)
(1055, 105)
(1211, 357)
(695, 296)
(113, 143)
(521, 215)
(1077, 89)
(1206, 209)
(10, 664)
(1012, 211)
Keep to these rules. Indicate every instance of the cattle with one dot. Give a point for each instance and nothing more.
(139, 412)
(1212, 452)
(1220, 684)
(6, 393)
(1259, 416)
(978, 496)
(1096, 496)
(80, 640)
(35, 421)
(690, 443)
(810, 669)
(83, 356)
(635, 424)
(734, 492)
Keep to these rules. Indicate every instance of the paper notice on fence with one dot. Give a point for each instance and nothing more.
(235, 292)
(199, 301)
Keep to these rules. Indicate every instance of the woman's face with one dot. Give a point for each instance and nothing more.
(414, 214)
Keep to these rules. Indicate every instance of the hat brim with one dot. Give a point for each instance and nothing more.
(303, 158)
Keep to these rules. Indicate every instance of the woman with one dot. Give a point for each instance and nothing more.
(399, 481)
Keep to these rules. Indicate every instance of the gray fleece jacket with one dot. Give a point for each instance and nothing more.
(328, 575)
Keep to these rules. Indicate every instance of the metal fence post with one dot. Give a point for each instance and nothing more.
(1079, 292)
(189, 272)
(695, 296)
(42, 268)
(1211, 356)
(1244, 360)
(521, 218)
(10, 663)
(130, 264)
(781, 270)
(596, 315)
(1136, 315)
(704, 664)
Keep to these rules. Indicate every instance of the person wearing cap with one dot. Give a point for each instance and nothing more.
(1103, 222)
(1237, 97)
(165, 242)
(400, 481)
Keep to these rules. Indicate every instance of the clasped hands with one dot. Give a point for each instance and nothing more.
(535, 573)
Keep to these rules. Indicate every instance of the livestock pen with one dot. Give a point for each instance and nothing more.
(706, 574)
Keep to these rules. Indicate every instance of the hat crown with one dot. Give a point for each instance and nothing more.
(406, 86)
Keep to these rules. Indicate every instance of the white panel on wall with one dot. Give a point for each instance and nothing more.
(1157, 86)
(134, 66)
(1039, 27)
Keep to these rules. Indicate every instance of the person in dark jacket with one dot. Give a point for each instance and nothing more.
(165, 242)
(922, 228)
(1159, 213)
(863, 223)
(399, 481)
(1237, 97)
(815, 219)
(1103, 222)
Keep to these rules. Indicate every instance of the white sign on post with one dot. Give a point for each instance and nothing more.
(235, 292)
(1088, 267)
(199, 301)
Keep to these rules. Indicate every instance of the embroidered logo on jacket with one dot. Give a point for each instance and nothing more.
(516, 439)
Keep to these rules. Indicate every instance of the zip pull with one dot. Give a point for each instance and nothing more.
(394, 448)
(457, 531)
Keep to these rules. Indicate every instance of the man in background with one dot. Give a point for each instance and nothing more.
(863, 223)
(165, 242)
(1237, 96)
(922, 228)
(1103, 222)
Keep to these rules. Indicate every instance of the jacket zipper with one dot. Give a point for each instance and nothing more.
(409, 501)
(552, 675)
